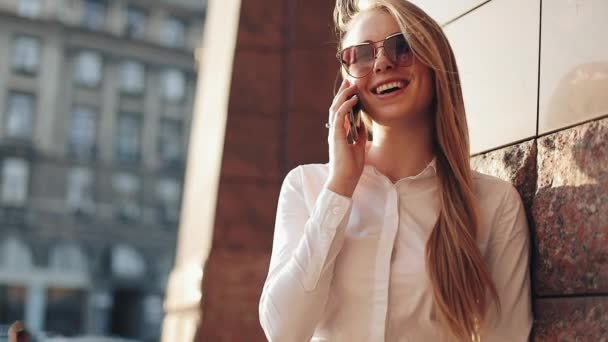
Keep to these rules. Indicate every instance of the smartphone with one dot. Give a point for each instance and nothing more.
(354, 116)
(354, 122)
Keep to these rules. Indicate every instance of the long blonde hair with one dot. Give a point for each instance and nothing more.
(457, 271)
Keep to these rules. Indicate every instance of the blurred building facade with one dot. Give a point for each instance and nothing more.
(95, 107)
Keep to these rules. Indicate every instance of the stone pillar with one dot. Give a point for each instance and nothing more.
(282, 86)
(273, 100)
(183, 298)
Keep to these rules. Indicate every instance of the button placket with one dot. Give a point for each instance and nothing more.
(383, 262)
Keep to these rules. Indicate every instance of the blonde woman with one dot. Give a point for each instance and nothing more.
(396, 238)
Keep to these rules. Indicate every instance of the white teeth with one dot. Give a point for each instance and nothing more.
(396, 84)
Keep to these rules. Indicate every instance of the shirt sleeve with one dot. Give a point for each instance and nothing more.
(508, 260)
(305, 245)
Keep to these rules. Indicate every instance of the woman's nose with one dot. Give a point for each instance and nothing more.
(382, 63)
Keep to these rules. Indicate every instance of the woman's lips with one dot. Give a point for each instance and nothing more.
(392, 94)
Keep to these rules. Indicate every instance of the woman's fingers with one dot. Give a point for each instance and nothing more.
(339, 125)
(14, 331)
(344, 93)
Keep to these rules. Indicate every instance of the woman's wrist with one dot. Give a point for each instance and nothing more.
(340, 187)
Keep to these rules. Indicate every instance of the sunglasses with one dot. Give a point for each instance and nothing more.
(358, 60)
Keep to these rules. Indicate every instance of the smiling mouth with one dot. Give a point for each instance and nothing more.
(390, 87)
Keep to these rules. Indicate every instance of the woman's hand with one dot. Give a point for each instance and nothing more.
(17, 333)
(345, 161)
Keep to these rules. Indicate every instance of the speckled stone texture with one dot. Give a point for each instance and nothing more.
(571, 319)
(516, 164)
(570, 211)
(563, 181)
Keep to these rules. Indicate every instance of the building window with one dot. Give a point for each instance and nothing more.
(128, 137)
(174, 32)
(80, 191)
(94, 17)
(127, 189)
(83, 133)
(12, 303)
(136, 23)
(170, 141)
(15, 175)
(132, 77)
(87, 68)
(169, 195)
(173, 84)
(20, 115)
(29, 8)
(26, 54)
(65, 311)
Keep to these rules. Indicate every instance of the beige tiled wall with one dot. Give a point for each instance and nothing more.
(574, 63)
(510, 93)
(496, 48)
(443, 11)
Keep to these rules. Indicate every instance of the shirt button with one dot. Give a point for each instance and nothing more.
(335, 210)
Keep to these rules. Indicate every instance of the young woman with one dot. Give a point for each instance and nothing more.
(396, 238)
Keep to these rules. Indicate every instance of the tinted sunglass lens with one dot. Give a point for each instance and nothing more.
(398, 49)
(358, 59)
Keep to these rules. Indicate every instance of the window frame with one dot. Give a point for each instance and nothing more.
(162, 137)
(89, 7)
(27, 9)
(72, 145)
(145, 15)
(20, 200)
(9, 114)
(125, 88)
(120, 138)
(17, 64)
(166, 86)
(79, 77)
(169, 36)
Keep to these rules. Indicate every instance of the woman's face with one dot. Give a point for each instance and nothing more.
(413, 100)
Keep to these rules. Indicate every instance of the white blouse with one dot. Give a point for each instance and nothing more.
(353, 269)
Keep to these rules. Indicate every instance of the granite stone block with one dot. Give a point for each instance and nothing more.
(570, 319)
(570, 211)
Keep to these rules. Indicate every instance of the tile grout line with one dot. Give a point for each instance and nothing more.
(540, 31)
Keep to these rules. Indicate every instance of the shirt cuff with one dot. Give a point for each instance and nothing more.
(330, 209)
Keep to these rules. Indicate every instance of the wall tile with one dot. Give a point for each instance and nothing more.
(256, 82)
(570, 211)
(252, 147)
(574, 63)
(571, 319)
(443, 11)
(496, 48)
(245, 215)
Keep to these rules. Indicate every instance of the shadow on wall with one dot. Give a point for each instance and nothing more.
(570, 211)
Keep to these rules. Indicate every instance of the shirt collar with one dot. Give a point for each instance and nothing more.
(429, 171)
